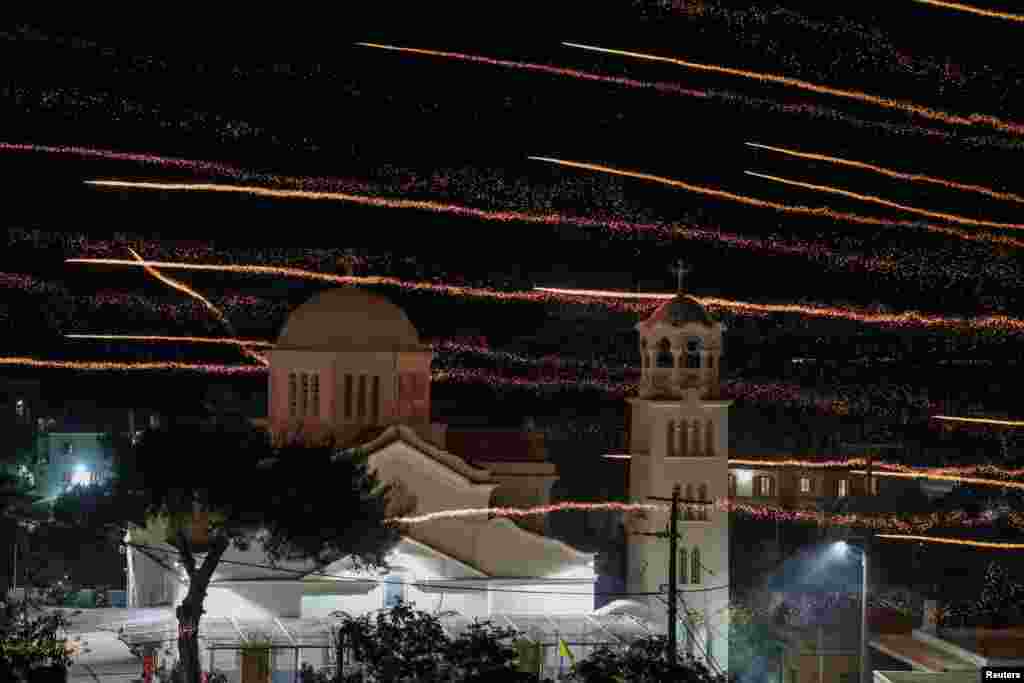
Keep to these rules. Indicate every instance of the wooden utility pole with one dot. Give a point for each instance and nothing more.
(673, 585)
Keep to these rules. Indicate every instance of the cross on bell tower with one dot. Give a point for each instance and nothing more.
(680, 270)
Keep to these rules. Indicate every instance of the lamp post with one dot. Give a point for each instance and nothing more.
(845, 548)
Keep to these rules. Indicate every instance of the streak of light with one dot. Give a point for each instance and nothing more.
(527, 512)
(161, 338)
(946, 477)
(952, 217)
(885, 102)
(913, 177)
(557, 71)
(973, 10)
(954, 541)
(821, 211)
(182, 287)
(980, 420)
(25, 361)
(908, 317)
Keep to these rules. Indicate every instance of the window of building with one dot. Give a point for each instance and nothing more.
(688, 509)
(69, 449)
(304, 394)
(394, 591)
(702, 494)
(874, 486)
(765, 487)
(684, 567)
(19, 407)
(695, 565)
(154, 421)
(693, 349)
(805, 485)
(708, 438)
(670, 446)
(842, 488)
(314, 390)
(732, 484)
(375, 400)
(348, 396)
(293, 395)
(362, 398)
(664, 358)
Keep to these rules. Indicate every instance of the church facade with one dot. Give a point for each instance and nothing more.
(350, 364)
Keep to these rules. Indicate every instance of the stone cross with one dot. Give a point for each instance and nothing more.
(680, 270)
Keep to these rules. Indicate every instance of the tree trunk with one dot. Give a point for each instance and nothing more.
(190, 611)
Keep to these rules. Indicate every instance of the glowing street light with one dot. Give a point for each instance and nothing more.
(844, 549)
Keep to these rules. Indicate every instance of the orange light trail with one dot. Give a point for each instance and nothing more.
(952, 217)
(885, 102)
(821, 211)
(883, 469)
(556, 71)
(980, 420)
(26, 361)
(182, 287)
(912, 177)
(973, 10)
(954, 541)
(909, 317)
(946, 477)
(572, 295)
(161, 338)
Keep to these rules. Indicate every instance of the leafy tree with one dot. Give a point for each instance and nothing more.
(221, 484)
(644, 661)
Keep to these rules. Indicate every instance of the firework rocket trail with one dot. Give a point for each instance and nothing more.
(885, 102)
(912, 177)
(821, 212)
(165, 338)
(973, 10)
(954, 218)
(557, 71)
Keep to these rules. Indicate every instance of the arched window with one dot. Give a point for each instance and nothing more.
(684, 438)
(695, 568)
(664, 359)
(683, 566)
(693, 349)
(696, 438)
(670, 439)
(708, 438)
(702, 494)
(689, 509)
(732, 484)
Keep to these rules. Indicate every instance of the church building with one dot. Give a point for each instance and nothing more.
(349, 363)
(679, 435)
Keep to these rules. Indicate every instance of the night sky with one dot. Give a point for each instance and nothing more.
(287, 101)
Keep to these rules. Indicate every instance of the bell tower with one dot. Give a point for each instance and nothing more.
(679, 434)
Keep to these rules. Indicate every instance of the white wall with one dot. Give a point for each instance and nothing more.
(254, 599)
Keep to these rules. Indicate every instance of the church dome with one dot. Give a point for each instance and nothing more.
(680, 310)
(349, 319)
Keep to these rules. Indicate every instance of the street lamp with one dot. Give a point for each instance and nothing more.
(844, 549)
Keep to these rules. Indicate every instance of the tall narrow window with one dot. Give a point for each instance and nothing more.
(842, 488)
(689, 507)
(664, 358)
(696, 439)
(670, 439)
(708, 440)
(684, 438)
(362, 398)
(702, 494)
(314, 389)
(19, 407)
(293, 392)
(683, 566)
(693, 348)
(766, 486)
(348, 396)
(732, 484)
(696, 567)
(304, 395)
(805, 485)
(375, 400)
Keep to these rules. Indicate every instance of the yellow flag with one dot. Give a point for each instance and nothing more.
(564, 651)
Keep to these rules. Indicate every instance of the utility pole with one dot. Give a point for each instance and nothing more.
(673, 587)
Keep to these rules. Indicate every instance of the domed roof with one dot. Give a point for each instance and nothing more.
(349, 319)
(680, 310)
